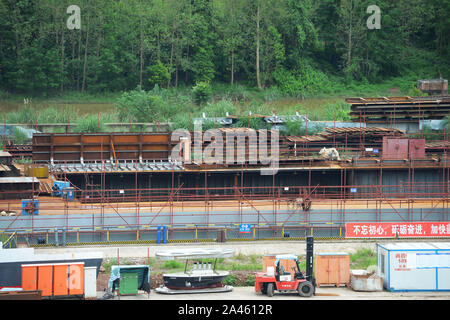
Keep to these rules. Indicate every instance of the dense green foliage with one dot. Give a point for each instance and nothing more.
(202, 92)
(303, 48)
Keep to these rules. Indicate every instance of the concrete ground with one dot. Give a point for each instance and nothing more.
(244, 247)
(322, 293)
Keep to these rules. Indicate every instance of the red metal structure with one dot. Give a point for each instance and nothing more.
(272, 206)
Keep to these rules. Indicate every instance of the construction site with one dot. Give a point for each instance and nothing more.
(106, 188)
(378, 177)
(224, 150)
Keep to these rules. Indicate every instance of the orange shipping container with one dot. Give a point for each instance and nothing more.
(332, 268)
(61, 283)
(45, 279)
(76, 278)
(57, 279)
(29, 277)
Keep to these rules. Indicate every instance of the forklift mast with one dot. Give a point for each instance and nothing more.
(309, 258)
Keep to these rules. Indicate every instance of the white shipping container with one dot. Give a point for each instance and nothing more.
(414, 266)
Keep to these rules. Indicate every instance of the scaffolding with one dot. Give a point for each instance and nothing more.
(100, 214)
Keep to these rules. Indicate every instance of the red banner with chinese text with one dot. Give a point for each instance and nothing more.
(401, 230)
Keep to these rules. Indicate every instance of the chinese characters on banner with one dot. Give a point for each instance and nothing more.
(392, 230)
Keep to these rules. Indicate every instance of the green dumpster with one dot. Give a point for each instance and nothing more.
(128, 283)
(128, 279)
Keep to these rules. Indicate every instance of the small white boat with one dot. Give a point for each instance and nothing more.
(202, 277)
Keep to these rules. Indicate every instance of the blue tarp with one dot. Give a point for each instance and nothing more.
(8, 130)
(143, 276)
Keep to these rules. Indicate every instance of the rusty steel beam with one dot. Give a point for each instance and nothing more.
(79, 147)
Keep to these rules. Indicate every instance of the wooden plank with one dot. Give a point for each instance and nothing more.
(21, 295)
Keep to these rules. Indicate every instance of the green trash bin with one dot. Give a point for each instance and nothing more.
(128, 283)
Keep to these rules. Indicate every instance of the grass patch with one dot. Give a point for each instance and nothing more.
(172, 264)
(363, 258)
(93, 122)
(245, 267)
(230, 280)
(20, 137)
(177, 105)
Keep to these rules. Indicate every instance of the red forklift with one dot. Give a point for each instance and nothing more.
(276, 278)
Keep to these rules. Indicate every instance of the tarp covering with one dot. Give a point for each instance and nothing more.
(9, 130)
(142, 271)
(194, 253)
(285, 257)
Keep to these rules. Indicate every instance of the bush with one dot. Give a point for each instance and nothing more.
(250, 281)
(240, 279)
(303, 82)
(363, 258)
(293, 127)
(337, 111)
(90, 123)
(255, 123)
(147, 106)
(133, 104)
(272, 93)
(172, 264)
(25, 115)
(219, 109)
(20, 137)
(202, 92)
(181, 121)
(56, 115)
(210, 124)
(229, 280)
(108, 263)
(413, 91)
(234, 92)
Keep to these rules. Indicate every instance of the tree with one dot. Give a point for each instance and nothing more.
(159, 74)
(258, 20)
(202, 92)
(351, 27)
(230, 37)
(296, 45)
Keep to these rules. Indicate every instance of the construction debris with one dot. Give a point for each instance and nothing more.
(361, 280)
(330, 154)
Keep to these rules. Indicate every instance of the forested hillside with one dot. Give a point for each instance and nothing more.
(302, 47)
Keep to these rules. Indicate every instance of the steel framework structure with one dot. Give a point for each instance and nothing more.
(140, 210)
